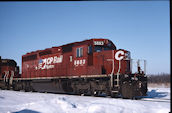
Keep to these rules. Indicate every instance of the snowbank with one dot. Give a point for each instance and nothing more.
(29, 102)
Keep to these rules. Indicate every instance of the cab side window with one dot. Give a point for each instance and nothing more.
(79, 52)
(97, 48)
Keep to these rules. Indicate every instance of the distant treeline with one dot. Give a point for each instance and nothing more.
(159, 78)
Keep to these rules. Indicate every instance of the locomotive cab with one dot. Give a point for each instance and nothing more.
(117, 63)
(103, 45)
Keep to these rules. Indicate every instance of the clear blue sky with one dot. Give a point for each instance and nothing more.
(142, 27)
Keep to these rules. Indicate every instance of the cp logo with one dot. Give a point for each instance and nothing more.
(119, 55)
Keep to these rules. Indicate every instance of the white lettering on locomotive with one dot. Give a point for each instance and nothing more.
(121, 53)
(58, 59)
(83, 61)
(48, 63)
(98, 43)
(49, 60)
(79, 62)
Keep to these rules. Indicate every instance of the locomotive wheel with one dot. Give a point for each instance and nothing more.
(127, 90)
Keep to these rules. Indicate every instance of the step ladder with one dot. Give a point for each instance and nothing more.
(116, 82)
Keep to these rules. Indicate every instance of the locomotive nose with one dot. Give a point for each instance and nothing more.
(122, 62)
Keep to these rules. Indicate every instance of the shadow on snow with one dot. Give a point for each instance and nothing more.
(26, 111)
(1, 97)
(155, 94)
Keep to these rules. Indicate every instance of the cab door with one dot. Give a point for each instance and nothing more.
(90, 55)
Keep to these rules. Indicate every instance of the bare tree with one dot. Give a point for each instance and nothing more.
(159, 78)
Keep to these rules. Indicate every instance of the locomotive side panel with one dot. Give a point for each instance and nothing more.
(107, 64)
(66, 65)
(27, 64)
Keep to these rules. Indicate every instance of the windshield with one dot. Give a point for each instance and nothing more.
(101, 48)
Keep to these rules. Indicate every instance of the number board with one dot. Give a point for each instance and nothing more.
(98, 43)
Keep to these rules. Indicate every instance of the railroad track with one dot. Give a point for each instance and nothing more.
(155, 100)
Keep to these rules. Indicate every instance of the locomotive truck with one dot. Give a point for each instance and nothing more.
(90, 67)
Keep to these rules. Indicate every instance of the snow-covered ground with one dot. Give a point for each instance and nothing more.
(157, 101)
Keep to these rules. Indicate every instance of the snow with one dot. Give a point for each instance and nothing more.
(157, 101)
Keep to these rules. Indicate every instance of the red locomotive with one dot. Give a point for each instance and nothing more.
(8, 71)
(90, 67)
